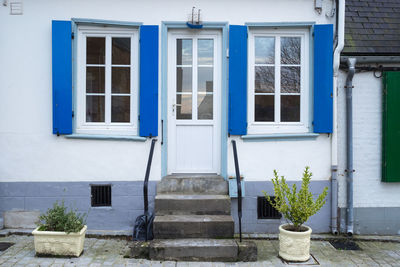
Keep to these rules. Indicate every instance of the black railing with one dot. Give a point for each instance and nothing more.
(146, 184)
(239, 188)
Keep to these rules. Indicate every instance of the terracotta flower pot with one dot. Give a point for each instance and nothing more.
(59, 243)
(294, 246)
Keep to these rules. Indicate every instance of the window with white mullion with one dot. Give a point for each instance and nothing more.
(108, 80)
(205, 78)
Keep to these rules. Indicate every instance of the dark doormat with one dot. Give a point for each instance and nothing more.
(5, 245)
(344, 244)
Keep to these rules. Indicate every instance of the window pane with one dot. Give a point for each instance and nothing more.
(206, 51)
(94, 108)
(264, 108)
(290, 50)
(205, 79)
(121, 80)
(264, 80)
(184, 52)
(120, 108)
(184, 107)
(290, 108)
(95, 50)
(264, 50)
(121, 51)
(95, 79)
(290, 79)
(184, 79)
(205, 106)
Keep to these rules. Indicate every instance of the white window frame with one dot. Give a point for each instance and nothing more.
(255, 127)
(107, 127)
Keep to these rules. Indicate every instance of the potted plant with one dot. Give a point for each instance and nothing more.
(60, 233)
(296, 207)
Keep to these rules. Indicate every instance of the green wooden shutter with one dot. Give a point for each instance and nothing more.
(391, 127)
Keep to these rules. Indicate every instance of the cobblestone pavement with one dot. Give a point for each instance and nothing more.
(110, 252)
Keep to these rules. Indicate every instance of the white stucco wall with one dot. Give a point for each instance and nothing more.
(369, 191)
(29, 152)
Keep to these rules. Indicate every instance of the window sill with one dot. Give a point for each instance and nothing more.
(107, 137)
(268, 137)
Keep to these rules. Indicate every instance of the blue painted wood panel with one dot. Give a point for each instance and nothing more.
(237, 124)
(323, 78)
(148, 124)
(62, 76)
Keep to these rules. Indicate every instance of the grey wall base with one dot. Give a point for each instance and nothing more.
(127, 203)
(127, 200)
(373, 221)
(320, 222)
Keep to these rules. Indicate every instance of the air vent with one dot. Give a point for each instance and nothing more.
(101, 195)
(265, 210)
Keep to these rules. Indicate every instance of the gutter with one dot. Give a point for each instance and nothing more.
(334, 154)
(351, 62)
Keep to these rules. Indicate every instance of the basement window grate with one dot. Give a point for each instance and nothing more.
(265, 210)
(101, 195)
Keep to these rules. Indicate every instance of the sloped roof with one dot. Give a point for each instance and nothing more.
(372, 27)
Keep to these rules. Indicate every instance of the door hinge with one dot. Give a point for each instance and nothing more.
(73, 114)
(138, 117)
(72, 35)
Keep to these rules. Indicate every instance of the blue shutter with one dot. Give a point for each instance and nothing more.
(62, 77)
(237, 80)
(148, 80)
(323, 78)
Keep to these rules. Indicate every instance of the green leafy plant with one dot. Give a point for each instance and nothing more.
(59, 220)
(296, 206)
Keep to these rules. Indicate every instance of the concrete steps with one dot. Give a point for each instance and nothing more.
(192, 205)
(192, 185)
(193, 226)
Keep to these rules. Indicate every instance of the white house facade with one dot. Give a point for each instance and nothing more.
(86, 86)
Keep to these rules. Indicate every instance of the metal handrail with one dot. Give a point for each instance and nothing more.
(146, 183)
(239, 188)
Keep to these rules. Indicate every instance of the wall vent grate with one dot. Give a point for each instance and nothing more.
(265, 210)
(101, 195)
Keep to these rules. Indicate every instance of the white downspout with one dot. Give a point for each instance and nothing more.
(334, 145)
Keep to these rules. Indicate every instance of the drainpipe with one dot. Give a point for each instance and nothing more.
(334, 155)
(351, 62)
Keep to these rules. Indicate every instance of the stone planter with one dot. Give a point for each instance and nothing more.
(59, 243)
(294, 246)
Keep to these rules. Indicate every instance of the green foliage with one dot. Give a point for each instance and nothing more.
(295, 206)
(59, 220)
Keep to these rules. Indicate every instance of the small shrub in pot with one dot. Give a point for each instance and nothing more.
(60, 232)
(296, 207)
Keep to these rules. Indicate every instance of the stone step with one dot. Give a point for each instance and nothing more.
(192, 204)
(193, 184)
(193, 226)
(196, 249)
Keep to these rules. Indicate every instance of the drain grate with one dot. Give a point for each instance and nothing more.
(344, 244)
(5, 245)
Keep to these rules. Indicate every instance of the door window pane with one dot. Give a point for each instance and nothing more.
(290, 108)
(95, 79)
(184, 79)
(205, 79)
(264, 79)
(205, 106)
(121, 51)
(183, 52)
(290, 79)
(95, 50)
(121, 80)
(264, 50)
(205, 51)
(95, 108)
(264, 108)
(290, 50)
(184, 106)
(120, 108)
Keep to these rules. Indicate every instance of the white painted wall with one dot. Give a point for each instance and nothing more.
(29, 152)
(369, 191)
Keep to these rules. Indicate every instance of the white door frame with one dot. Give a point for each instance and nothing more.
(173, 35)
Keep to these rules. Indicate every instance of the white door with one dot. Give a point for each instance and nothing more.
(194, 101)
